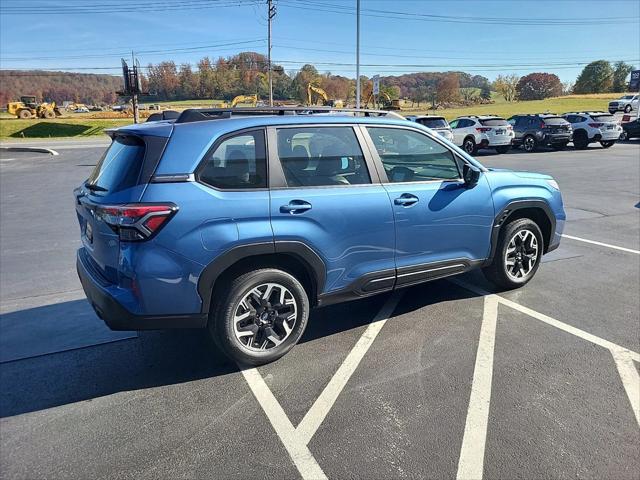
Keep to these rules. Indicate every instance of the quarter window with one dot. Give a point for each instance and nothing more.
(239, 162)
(321, 156)
(410, 156)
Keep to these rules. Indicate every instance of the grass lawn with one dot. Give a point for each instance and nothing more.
(569, 103)
(79, 128)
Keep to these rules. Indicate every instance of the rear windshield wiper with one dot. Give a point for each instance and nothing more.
(95, 188)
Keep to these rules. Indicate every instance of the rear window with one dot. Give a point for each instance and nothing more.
(494, 122)
(604, 118)
(433, 122)
(120, 167)
(554, 120)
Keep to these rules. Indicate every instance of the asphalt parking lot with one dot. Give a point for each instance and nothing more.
(441, 380)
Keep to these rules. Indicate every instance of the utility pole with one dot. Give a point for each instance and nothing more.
(271, 14)
(357, 53)
(134, 96)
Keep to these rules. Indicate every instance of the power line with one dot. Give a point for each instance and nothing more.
(125, 7)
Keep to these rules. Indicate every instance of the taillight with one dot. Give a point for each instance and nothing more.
(483, 129)
(543, 125)
(136, 221)
(596, 125)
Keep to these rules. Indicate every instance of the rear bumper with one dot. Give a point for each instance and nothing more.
(118, 317)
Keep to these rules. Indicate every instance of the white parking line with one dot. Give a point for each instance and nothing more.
(317, 413)
(630, 379)
(297, 449)
(295, 440)
(471, 461)
(608, 245)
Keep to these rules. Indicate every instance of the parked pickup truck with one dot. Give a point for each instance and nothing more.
(624, 104)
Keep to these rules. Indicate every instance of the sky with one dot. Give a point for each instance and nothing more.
(397, 36)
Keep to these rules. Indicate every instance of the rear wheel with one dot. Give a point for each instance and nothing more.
(529, 143)
(49, 114)
(607, 144)
(517, 256)
(469, 146)
(503, 148)
(24, 114)
(580, 140)
(624, 136)
(559, 146)
(260, 316)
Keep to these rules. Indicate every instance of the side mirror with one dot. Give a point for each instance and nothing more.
(470, 175)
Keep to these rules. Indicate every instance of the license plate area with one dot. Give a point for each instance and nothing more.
(500, 132)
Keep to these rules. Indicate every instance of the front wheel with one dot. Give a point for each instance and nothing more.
(517, 256)
(627, 109)
(624, 136)
(503, 148)
(469, 146)
(529, 143)
(260, 316)
(607, 144)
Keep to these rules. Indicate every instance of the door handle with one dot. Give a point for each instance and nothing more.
(406, 200)
(295, 207)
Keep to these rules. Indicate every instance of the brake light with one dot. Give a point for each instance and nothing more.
(596, 125)
(543, 125)
(137, 221)
(483, 129)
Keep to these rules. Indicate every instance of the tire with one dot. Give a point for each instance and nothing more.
(529, 143)
(624, 136)
(49, 114)
(469, 146)
(226, 324)
(607, 144)
(627, 109)
(499, 272)
(503, 148)
(24, 114)
(580, 140)
(559, 146)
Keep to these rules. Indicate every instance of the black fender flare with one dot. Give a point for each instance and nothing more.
(313, 263)
(509, 209)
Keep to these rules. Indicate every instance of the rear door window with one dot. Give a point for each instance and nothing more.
(321, 156)
(120, 167)
(239, 162)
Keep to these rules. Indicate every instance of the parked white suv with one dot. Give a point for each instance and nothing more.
(488, 131)
(591, 127)
(625, 104)
(436, 123)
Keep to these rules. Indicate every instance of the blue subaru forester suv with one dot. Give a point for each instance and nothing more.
(240, 221)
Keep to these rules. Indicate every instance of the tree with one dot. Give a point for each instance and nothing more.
(538, 86)
(469, 94)
(307, 74)
(505, 85)
(448, 88)
(621, 71)
(188, 82)
(485, 92)
(597, 77)
(567, 88)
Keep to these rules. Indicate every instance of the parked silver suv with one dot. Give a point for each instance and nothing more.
(624, 104)
(436, 123)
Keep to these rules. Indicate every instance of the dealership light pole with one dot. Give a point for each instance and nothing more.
(270, 15)
(357, 53)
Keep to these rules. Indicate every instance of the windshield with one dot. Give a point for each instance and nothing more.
(604, 118)
(554, 120)
(627, 97)
(494, 122)
(433, 122)
(120, 167)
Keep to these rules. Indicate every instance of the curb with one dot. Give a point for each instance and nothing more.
(30, 149)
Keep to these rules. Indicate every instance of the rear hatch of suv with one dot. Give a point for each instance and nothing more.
(107, 202)
(498, 130)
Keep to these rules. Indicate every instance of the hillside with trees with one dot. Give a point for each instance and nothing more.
(246, 73)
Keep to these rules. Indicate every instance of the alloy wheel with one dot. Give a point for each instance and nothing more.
(521, 255)
(265, 316)
(469, 146)
(529, 144)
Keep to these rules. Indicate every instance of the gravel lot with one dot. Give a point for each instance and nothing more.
(435, 381)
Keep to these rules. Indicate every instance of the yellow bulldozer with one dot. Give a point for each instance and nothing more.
(250, 100)
(385, 102)
(28, 107)
(316, 94)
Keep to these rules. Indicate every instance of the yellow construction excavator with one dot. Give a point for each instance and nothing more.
(316, 94)
(250, 100)
(28, 107)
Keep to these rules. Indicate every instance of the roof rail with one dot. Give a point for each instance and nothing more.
(202, 114)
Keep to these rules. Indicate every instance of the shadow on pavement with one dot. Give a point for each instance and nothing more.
(157, 358)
